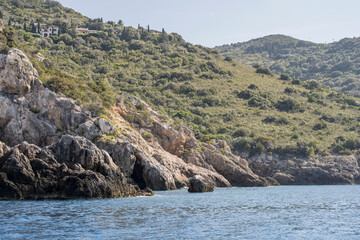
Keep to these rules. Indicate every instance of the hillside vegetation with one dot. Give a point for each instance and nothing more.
(252, 108)
(335, 64)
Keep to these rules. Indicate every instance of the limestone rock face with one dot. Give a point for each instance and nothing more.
(218, 157)
(17, 74)
(30, 172)
(89, 130)
(105, 126)
(170, 139)
(200, 184)
(304, 171)
(122, 152)
(28, 111)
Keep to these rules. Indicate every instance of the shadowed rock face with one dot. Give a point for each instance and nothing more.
(200, 184)
(72, 168)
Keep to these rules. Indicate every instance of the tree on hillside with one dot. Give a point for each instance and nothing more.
(120, 23)
(33, 28)
(25, 27)
(1, 14)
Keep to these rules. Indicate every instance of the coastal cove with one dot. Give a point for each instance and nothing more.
(285, 212)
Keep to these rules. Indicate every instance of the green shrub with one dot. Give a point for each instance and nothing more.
(228, 59)
(289, 105)
(279, 121)
(319, 126)
(246, 94)
(285, 77)
(256, 65)
(241, 133)
(312, 84)
(290, 90)
(295, 82)
(265, 71)
(140, 106)
(253, 87)
(260, 102)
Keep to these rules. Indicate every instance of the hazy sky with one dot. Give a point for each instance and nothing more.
(217, 22)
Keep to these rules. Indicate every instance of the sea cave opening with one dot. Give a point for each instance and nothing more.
(137, 175)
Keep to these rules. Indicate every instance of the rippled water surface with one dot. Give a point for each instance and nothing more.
(296, 212)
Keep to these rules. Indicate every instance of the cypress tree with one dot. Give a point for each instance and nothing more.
(148, 28)
(33, 28)
(25, 27)
(1, 14)
(9, 22)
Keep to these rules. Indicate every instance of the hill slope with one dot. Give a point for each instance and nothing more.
(215, 98)
(335, 64)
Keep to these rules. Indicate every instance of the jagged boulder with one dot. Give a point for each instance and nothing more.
(122, 153)
(149, 173)
(106, 127)
(72, 168)
(200, 184)
(89, 130)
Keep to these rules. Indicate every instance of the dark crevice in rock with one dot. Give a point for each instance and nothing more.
(137, 175)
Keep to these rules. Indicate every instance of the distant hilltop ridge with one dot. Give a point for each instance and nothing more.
(334, 64)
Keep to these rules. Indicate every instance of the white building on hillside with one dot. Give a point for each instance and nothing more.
(48, 30)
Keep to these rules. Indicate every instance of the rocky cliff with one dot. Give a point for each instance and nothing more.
(294, 170)
(53, 148)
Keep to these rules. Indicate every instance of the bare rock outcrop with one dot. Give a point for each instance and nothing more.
(17, 73)
(200, 184)
(30, 172)
(305, 171)
(29, 111)
(216, 157)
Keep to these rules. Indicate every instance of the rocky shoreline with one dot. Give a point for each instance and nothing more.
(52, 148)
